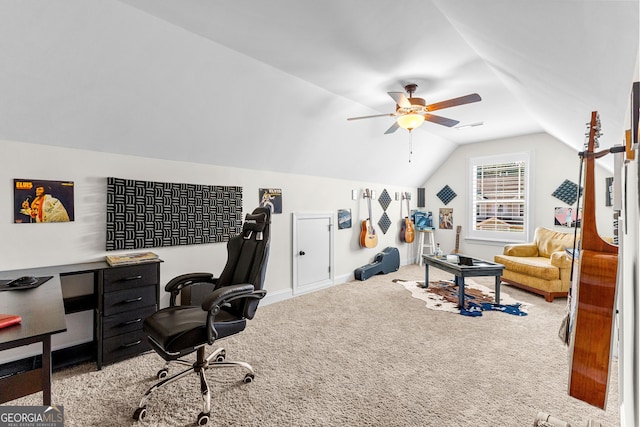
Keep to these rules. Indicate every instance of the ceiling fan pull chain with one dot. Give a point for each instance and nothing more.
(410, 145)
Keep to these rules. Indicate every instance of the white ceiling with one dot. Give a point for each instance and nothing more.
(269, 84)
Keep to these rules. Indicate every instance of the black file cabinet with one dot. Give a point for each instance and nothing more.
(126, 296)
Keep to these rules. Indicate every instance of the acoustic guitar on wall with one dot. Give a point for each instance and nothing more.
(368, 236)
(407, 230)
(457, 249)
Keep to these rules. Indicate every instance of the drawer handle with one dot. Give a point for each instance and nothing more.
(126, 279)
(131, 322)
(131, 344)
(127, 301)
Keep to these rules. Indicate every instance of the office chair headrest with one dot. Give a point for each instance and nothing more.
(255, 222)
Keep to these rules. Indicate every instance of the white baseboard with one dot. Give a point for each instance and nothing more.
(285, 294)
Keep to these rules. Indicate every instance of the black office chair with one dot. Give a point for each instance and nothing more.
(178, 330)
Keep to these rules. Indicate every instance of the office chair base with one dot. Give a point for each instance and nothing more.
(200, 366)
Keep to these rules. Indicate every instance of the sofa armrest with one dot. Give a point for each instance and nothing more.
(561, 259)
(521, 249)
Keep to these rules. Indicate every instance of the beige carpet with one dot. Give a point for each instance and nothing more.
(364, 353)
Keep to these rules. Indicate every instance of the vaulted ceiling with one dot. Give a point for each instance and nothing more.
(268, 85)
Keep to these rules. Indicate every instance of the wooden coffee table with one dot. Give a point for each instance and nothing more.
(478, 268)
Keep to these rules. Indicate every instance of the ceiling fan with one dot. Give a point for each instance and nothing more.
(413, 111)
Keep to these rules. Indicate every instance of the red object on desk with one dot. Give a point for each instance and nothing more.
(9, 319)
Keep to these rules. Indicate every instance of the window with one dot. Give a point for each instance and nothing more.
(499, 197)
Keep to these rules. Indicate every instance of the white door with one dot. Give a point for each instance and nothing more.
(312, 251)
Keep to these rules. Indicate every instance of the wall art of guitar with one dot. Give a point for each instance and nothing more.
(407, 230)
(368, 236)
(457, 249)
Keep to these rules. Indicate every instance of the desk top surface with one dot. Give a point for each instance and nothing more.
(41, 309)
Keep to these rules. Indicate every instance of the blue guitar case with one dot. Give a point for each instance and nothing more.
(384, 262)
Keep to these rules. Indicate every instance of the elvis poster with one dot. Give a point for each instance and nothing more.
(36, 201)
(271, 198)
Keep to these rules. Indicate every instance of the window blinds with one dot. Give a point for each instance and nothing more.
(499, 197)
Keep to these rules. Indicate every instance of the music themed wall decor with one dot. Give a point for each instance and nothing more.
(41, 201)
(446, 218)
(271, 198)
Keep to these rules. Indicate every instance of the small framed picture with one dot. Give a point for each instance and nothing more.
(567, 217)
(40, 201)
(271, 198)
(344, 218)
(446, 218)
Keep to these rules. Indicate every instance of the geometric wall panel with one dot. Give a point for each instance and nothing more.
(384, 222)
(145, 214)
(446, 194)
(384, 199)
(567, 192)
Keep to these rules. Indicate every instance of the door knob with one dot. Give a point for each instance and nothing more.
(301, 253)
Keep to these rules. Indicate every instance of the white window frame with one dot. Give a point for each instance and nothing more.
(500, 237)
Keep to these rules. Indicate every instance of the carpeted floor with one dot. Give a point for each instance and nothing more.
(364, 353)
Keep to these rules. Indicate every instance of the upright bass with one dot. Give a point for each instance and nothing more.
(594, 294)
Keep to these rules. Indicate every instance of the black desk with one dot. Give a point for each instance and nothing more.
(479, 268)
(42, 311)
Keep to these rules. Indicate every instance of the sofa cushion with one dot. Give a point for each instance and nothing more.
(550, 241)
(521, 249)
(532, 266)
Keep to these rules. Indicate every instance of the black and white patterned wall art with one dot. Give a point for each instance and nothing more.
(567, 192)
(145, 214)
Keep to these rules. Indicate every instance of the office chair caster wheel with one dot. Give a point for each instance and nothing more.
(248, 378)
(203, 418)
(221, 357)
(140, 413)
(162, 373)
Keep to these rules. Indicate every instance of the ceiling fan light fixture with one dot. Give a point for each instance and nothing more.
(410, 121)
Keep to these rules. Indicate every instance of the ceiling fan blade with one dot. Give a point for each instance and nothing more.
(369, 117)
(440, 120)
(467, 99)
(394, 127)
(400, 99)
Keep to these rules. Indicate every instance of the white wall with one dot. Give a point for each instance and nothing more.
(32, 245)
(552, 163)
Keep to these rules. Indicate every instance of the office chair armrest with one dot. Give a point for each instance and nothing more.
(215, 299)
(178, 283)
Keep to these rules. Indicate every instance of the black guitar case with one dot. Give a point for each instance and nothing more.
(384, 262)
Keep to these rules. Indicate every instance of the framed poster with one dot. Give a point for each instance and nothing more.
(567, 217)
(36, 201)
(344, 218)
(608, 200)
(271, 198)
(446, 218)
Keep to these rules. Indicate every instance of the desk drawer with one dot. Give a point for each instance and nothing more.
(130, 299)
(126, 322)
(131, 276)
(125, 345)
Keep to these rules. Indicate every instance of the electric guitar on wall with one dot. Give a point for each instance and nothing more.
(457, 249)
(368, 236)
(407, 230)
